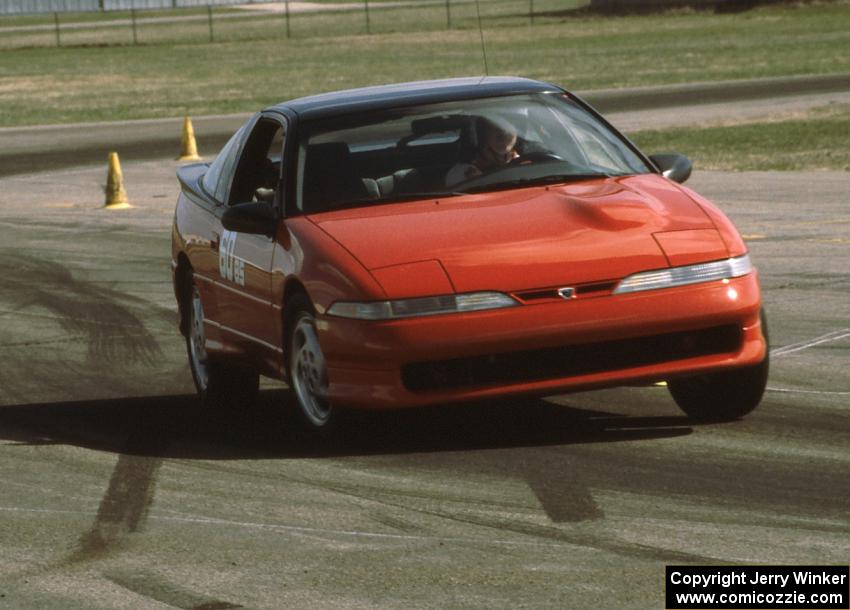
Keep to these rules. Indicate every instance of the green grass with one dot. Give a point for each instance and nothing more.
(817, 141)
(253, 64)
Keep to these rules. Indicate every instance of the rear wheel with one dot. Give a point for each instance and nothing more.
(219, 384)
(306, 366)
(725, 395)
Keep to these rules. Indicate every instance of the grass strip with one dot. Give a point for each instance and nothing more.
(242, 71)
(817, 141)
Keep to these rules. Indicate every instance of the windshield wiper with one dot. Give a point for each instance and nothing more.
(548, 179)
(394, 198)
(421, 195)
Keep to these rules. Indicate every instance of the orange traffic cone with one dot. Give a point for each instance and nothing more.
(116, 196)
(189, 148)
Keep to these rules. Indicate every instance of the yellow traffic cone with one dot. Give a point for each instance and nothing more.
(116, 196)
(189, 148)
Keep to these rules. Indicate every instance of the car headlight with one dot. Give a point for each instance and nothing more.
(689, 274)
(424, 306)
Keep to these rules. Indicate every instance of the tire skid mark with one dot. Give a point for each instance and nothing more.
(562, 491)
(565, 498)
(154, 587)
(65, 339)
(56, 378)
(80, 308)
(48, 341)
(543, 532)
(395, 522)
(47, 490)
(343, 489)
(125, 505)
(329, 532)
(158, 315)
(300, 529)
(549, 533)
(123, 509)
(16, 378)
(590, 540)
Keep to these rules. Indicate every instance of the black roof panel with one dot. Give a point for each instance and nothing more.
(404, 94)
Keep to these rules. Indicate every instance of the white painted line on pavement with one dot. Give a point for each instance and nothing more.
(796, 347)
(299, 529)
(793, 391)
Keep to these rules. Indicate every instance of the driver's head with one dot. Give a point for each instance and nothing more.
(496, 141)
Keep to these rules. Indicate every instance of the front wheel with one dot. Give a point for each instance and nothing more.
(219, 384)
(725, 395)
(306, 366)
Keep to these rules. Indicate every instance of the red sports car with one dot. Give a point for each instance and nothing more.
(455, 240)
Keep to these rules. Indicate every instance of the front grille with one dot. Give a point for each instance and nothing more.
(581, 290)
(569, 360)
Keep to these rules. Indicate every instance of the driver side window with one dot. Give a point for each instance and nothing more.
(258, 172)
(217, 178)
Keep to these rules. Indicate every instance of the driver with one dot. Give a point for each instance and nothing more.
(496, 148)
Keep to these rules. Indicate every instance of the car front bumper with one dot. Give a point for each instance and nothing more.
(630, 338)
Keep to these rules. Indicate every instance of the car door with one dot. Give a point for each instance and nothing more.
(200, 223)
(246, 313)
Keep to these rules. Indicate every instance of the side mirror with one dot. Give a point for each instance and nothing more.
(674, 166)
(255, 217)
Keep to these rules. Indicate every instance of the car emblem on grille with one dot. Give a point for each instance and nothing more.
(567, 292)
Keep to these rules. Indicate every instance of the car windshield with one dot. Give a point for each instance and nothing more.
(454, 148)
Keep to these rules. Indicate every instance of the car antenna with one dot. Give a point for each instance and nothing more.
(481, 31)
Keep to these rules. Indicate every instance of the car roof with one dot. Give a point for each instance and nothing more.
(407, 94)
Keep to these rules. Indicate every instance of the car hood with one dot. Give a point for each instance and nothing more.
(530, 238)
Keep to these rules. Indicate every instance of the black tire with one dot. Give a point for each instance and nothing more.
(726, 395)
(220, 384)
(306, 368)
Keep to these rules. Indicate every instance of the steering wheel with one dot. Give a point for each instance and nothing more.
(537, 156)
(515, 169)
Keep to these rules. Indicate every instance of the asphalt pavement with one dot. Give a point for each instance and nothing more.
(120, 493)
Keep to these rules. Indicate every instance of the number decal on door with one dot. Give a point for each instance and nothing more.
(230, 267)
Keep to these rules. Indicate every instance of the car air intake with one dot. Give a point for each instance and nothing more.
(569, 360)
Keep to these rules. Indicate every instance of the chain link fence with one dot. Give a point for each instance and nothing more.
(149, 22)
(29, 7)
